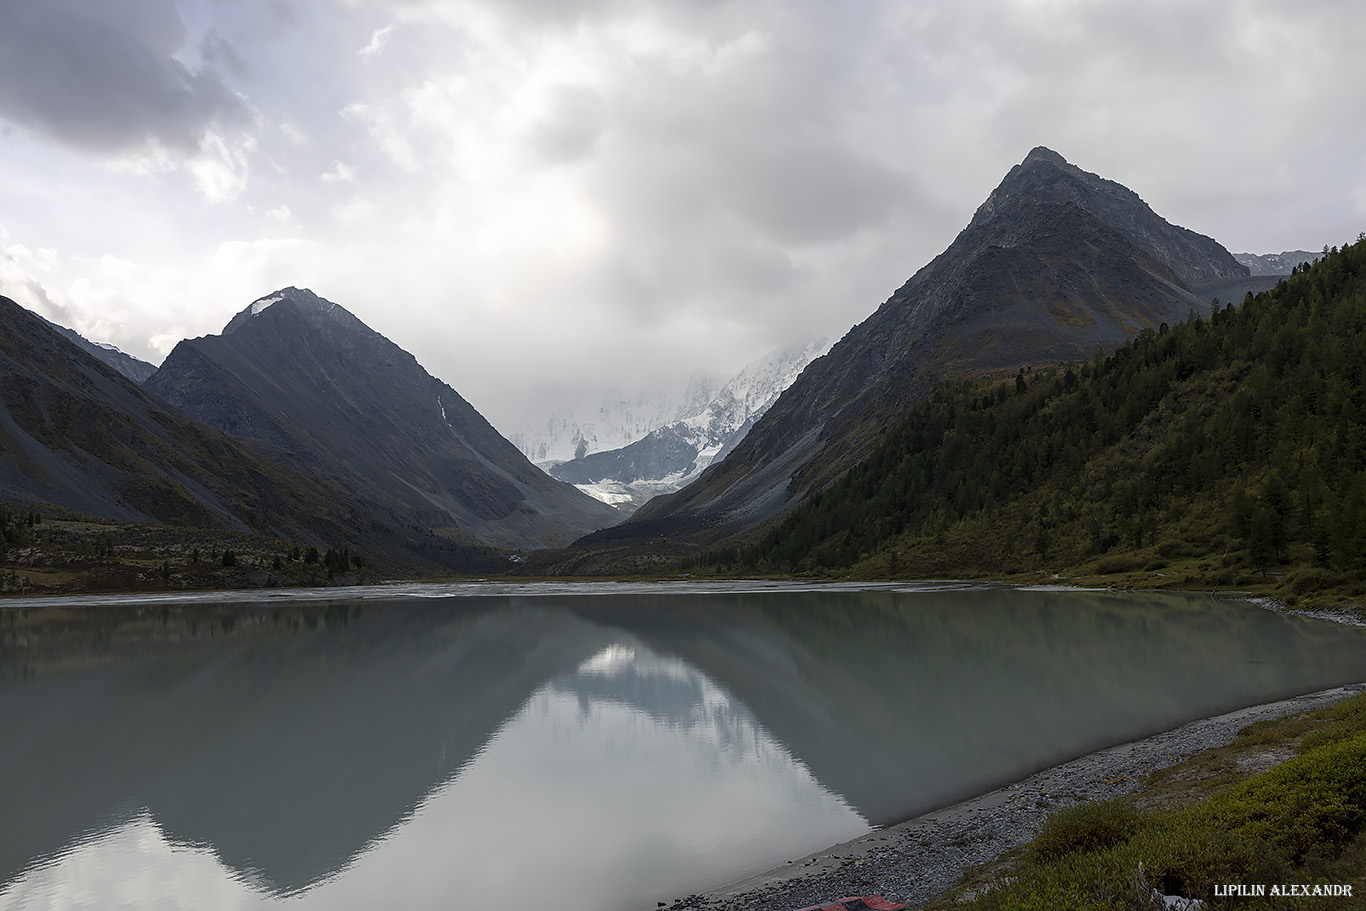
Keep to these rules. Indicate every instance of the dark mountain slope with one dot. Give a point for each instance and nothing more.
(76, 434)
(308, 384)
(1212, 453)
(134, 368)
(1054, 265)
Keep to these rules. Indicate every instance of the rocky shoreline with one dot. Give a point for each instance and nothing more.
(921, 858)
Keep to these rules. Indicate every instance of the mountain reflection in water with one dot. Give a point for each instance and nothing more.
(591, 751)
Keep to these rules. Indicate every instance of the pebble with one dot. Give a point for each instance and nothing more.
(928, 855)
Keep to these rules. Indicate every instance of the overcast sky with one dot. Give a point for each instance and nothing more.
(606, 192)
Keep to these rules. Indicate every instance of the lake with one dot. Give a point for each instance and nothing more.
(589, 746)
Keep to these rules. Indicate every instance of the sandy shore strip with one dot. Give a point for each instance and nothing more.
(916, 860)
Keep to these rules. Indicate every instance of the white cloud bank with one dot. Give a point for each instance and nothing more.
(525, 193)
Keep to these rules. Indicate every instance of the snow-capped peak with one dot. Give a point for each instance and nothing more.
(299, 297)
(673, 455)
(756, 387)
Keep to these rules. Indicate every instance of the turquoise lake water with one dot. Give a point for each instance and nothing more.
(587, 746)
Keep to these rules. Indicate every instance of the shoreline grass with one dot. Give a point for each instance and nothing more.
(1215, 821)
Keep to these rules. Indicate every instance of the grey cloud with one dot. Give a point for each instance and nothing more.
(44, 304)
(716, 183)
(571, 129)
(807, 192)
(217, 52)
(282, 13)
(102, 76)
(27, 291)
(550, 14)
(719, 272)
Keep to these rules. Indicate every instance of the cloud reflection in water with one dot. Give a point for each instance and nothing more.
(630, 780)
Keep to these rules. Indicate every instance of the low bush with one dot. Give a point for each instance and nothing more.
(1084, 828)
(1302, 821)
(1349, 718)
(1120, 563)
(1316, 801)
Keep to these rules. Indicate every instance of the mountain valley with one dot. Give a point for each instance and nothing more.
(1055, 265)
(347, 442)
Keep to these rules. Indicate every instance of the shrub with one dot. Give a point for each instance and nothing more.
(1120, 563)
(1085, 828)
(1349, 718)
(1316, 799)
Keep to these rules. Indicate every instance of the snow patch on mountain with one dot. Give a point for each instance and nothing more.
(613, 493)
(1275, 263)
(672, 456)
(745, 398)
(259, 305)
(575, 428)
(300, 297)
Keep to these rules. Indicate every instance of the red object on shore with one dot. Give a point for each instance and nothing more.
(871, 902)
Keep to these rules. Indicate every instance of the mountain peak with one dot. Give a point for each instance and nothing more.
(301, 297)
(1044, 154)
(1046, 181)
(1057, 263)
(308, 384)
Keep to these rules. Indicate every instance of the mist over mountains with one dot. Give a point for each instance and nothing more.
(1055, 265)
(672, 456)
(572, 426)
(317, 408)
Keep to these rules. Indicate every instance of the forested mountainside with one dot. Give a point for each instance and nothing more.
(1056, 264)
(1225, 450)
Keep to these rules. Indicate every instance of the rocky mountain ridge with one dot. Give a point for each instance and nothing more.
(134, 368)
(76, 435)
(304, 382)
(1275, 263)
(1055, 264)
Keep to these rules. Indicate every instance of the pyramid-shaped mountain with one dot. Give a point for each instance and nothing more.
(1056, 264)
(75, 434)
(308, 384)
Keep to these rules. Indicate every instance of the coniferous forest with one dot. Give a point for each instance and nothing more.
(1228, 450)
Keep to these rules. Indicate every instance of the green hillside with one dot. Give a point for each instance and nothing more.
(1220, 451)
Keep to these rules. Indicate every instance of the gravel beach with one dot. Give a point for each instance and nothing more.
(916, 860)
